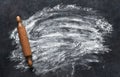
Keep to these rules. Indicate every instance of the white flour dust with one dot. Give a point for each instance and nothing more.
(62, 36)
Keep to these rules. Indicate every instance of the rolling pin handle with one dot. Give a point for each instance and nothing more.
(29, 61)
(18, 19)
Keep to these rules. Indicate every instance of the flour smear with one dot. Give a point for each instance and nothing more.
(62, 37)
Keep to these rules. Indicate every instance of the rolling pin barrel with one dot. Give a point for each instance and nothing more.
(24, 41)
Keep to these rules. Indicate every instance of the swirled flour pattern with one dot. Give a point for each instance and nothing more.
(65, 35)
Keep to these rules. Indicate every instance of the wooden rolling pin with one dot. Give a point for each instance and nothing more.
(24, 41)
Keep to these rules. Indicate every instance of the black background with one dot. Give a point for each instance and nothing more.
(9, 9)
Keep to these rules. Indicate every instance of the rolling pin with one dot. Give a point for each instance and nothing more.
(24, 41)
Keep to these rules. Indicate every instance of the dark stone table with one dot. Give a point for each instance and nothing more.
(9, 9)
